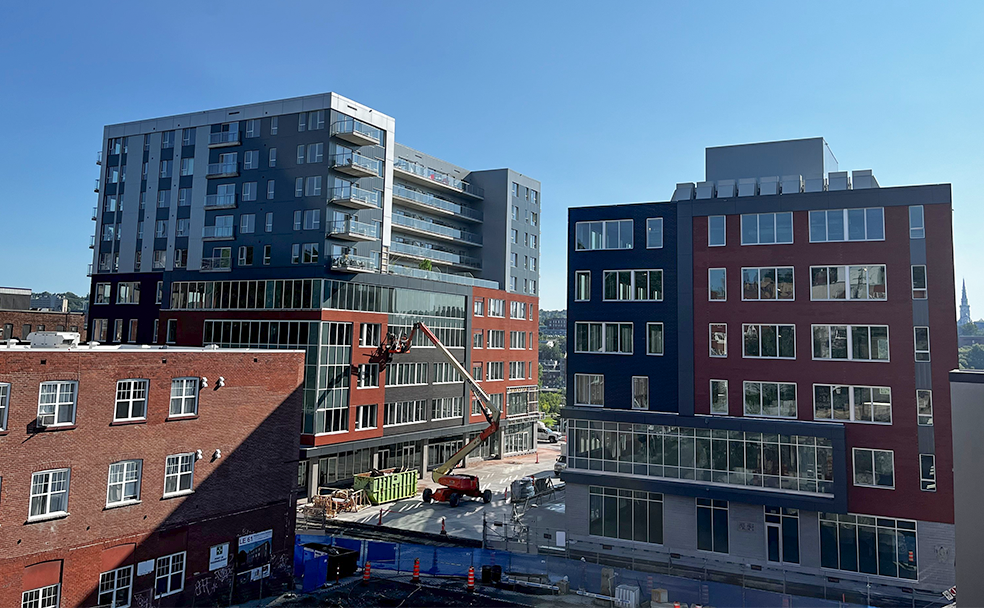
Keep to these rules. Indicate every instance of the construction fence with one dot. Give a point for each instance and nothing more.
(581, 574)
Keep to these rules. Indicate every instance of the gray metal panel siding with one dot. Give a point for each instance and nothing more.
(576, 510)
(924, 375)
(927, 440)
(936, 555)
(967, 410)
(685, 311)
(917, 251)
(199, 187)
(795, 157)
(746, 530)
(920, 312)
(809, 529)
(679, 522)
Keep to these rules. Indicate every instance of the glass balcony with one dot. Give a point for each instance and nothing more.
(217, 233)
(95, 213)
(441, 276)
(99, 157)
(96, 188)
(220, 201)
(351, 230)
(430, 202)
(434, 229)
(354, 197)
(92, 241)
(356, 132)
(88, 271)
(223, 139)
(348, 262)
(216, 264)
(357, 165)
(222, 170)
(436, 255)
(423, 174)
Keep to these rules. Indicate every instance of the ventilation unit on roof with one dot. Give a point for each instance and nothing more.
(54, 339)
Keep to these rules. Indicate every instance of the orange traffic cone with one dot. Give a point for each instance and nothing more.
(365, 574)
(416, 571)
(471, 579)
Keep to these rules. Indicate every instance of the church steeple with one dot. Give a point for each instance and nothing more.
(964, 307)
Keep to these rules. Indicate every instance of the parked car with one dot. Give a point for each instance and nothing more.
(546, 434)
(560, 465)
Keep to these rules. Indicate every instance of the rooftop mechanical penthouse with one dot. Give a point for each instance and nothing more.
(758, 372)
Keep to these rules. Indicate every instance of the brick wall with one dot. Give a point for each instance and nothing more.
(49, 321)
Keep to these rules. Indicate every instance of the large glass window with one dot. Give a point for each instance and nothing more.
(719, 397)
(56, 403)
(851, 342)
(634, 285)
(848, 282)
(589, 389)
(769, 341)
(716, 233)
(770, 399)
(835, 225)
(917, 222)
(852, 403)
(640, 392)
(766, 228)
(169, 574)
(131, 400)
(869, 545)
(582, 286)
(654, 233)
(767, 283)
(874, 468)
(49, 493)
(607, 338)
(717, 284)
(712, 525)
(625, 514)
(124, 482)
(782, 535)
(608, 234)
(115, 585)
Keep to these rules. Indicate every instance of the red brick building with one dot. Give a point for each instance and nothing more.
(18, 324)
(139, 475)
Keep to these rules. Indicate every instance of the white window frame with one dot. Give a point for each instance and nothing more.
(850, 343)
(445, 373)
(779, 387)
(127, 391)
(775, 286)
(921, 355)
(58, 404)
(632, 285)
(921, 417)
(710, 340)
(650, 222)
(168, 571)
(496, 371)
(4, 404)
(727, 402)
(496, 339)
(582, 277)
(662, 339)
(775, 223)
(606, 326)
(48, 596)
(637, 383)
(180, 462)
(590, 379)
(47, 493)
(370, 334)
(846, 270)
(874, 474)
(604, 235)
(919, 292)
(183, 397)
(852, 404)
(845, 224)
(724, 220)
(710, 293)
(366, 417)
(778, 340)
(368, 375)
(917, 229)
(126, 468)
(927, 484)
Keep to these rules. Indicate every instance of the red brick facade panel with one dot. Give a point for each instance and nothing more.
(13, 323)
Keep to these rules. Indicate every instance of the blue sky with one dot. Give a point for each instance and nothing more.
(546, 88)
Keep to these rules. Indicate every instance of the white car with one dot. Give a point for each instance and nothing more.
(545, 434)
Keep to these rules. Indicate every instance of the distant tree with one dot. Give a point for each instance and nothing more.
(425, 265)
(969, 329)
(972, 357)
(550, 404)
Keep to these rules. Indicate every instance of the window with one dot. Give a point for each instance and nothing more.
(102, 293)
(517, 310)
(533, 264)
(404, 412)
(717, 284)
(589, 389)
(478, 307)
(266, 255)
(272, 158)
(767, 283)
(369, 334)
(124, 483)
(315, 152)
(719, 339)
(611, 234)
(368, 375)
(924, 407)
(517, 339)
(719, 397)
(295, 254)
(299, 187)
(769, 341)
(654, 338)
(851, 342)
(848, 282)
(515, 236)
(172, 331)
(782, 535)
(49, 493)
(515, 189)
(515, 212)
(309, 253)
(109, 232)
(496, 370)
(115, 585)
(253, 128)
(625, 514)
(654, 233)
(169, 574)
(608, 338)
(166, 168)
(447, 408)
(167, 139)
(312, 186)
(478, 339)
(640, 392)
(312, 219)
(184, 197)
(497, 338)
(533, 218)
(927, 472)
(922, 343)
(188, 166)
(712, 525)
(249, 191)
(100, 330)
(56, 403)
(160, 229)
(716, 234)
(633, 285)
(770, 399)
(859, 543)
(517, 370)
(533, 196)
(445, 373)
(862, 225)
(917, 222)
(767, 228)
(163, 199)
(131, 400)
(4, 404)
(311, 121)
(42, 597)
(497, 308)
(365, 417)
(179, 473)
(852, 403)
(532, 242)
(187, 139)
(477, 369)
(183, 227)
(919, 289)
(513, 260)
(274, 125)
(184, 396)
(406, 374)
(582, 286)
(874, 468)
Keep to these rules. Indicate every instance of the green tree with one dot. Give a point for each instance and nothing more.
(425, 265)
(972, 357)
(969, 329)
(550, 404)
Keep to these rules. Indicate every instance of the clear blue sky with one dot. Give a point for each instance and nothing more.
(547, 88)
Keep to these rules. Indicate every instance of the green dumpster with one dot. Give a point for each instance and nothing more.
(388, 486)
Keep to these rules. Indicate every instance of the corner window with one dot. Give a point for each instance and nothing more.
(719, 397)
(917, 222)
(179, 474)
(184, 397)
(767, 228)
(589, 389)
(717, 284)
(874, 468)
(49, 493)
(654, 233)
(582, 286)
(56, 403)
(131, 400)
(716, 233)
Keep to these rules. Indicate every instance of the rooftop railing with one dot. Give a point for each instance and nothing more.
(223, 137)
(438, 203)
(438, 177)
(351, 125)
(442, 276)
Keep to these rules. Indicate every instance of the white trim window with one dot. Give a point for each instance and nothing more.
(4, 404)
(49, 493)
(837, 225)
(654, 338)
(633, 285)
(717, 284)
(718, 345)
(717, 235)
(917, 222)
(927, 472)
(767, 284)
(603, 338)
(924, 407)
(719, 397)
(921, 336)
(404, 412)
(56, 403)
(497, 307)
(517, 310)
(445, 373)
(770, 399)
(42, 597)
(478, 307)
(123, 486)
(169, 575)
(919, 283)
(447, 408)
(868, 282)
(406, 374)
(517, 370)
(131, 400)
(497, 338)
(582, 286)
(496, 370)
(179, 474)
(767, 228)
(589, 389)
(852, 403)
(365, 417)
(369, 334)
(654, 233)
(640, 392)
(769, 341)
(603, 234)
(184, 397)
(115, 587)
(517, 340)
(128, 292)
(850, 342)
(874, 468)
(368, 375)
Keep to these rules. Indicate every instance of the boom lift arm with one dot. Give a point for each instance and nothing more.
(491, 413)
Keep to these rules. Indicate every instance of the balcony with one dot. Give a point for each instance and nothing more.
(220, 201)
(348, 262)
(351, 230)
(96, 187)
(435, 255)
(222, 170)
(356, 165)
(92, 241)
(356, 132)
(88, 271)
(441, 276)
(218, 233)
(99, 157)
(95, 213)
(223, 139)
(433, 229)
(429, 202)
(421, 174)
(219, 264)
(354, 197)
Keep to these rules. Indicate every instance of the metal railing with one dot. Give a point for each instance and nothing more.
(349, 261)
(92, 241)
(99, 157)
(95, 212)
(434, 228)
(96, 188)
(437, 176)
(88, 271)
(217, 263)
(224, 137)
(217, 232)
(354, 227)
(437, 203)
(355, 193)
(222, 168)
(436, 254)
(354, 159)
(220, 201)
(441, 276)
(351, 125)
